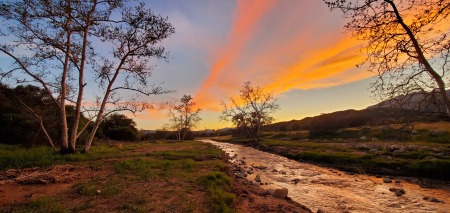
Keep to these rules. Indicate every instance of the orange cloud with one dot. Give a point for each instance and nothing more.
(247, 16)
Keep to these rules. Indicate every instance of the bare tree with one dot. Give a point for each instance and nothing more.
(251, 110)
(408, 44)
(183, 116)
(54, 44)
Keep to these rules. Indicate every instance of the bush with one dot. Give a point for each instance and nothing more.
(122, 134)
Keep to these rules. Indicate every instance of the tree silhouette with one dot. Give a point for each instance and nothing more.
(183, 116)
(251, 110)
(408, 44)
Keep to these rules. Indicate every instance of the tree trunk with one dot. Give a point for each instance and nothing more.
(63, 93)
(99, 119)
(76, 121)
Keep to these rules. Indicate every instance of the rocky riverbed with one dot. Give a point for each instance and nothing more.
(329, 190)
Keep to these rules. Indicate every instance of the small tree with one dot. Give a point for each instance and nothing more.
(183, 116)
(408, 44)
(251, 110)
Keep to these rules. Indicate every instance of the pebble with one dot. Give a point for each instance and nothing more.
(387, 180)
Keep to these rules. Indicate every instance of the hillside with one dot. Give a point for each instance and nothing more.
(352, 118)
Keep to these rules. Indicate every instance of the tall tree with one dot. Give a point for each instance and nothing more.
(183, 116)
(251, 110)
(56, 42)
(408, 43)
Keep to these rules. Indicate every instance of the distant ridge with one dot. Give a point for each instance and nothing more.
(424, 107)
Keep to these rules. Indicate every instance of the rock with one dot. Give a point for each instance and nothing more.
(320, 211)
(296, 180)
(389, 157)
(414, 132)
(98, 191)
(387, 180)
(280, 193)
(373, 150)
(258, 178)
(274, 170)
(435, 200)
(249, 172)
(269, 192)
(238, 175)
(363, 146)
(244, 174)
(363, 138)
(393, 148)
(374, 139)
(282, 172)
(398, 191)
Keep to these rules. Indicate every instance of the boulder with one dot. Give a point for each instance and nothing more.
(258, 178)
(280, 193)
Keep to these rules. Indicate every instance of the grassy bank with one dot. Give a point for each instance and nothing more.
(407, 158)
(134, 177)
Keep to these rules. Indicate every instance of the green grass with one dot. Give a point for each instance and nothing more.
(217, 184)
(192, 165)
(42, 205)
(15, 156)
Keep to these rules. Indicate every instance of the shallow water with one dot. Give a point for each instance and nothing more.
(332, 190)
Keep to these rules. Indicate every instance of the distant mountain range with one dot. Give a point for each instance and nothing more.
(415, 107)
(420, 101)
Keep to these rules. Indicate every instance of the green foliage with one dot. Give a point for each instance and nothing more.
(218, 183)
(119, 127)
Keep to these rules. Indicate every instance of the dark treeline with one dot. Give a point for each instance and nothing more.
(24, 107)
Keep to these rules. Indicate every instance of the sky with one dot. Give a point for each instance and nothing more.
(297, 50)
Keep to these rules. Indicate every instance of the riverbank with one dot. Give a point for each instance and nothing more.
(323, 189)
(418, 160)
(165, 176)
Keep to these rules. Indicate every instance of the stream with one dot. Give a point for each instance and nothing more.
(332, 190)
